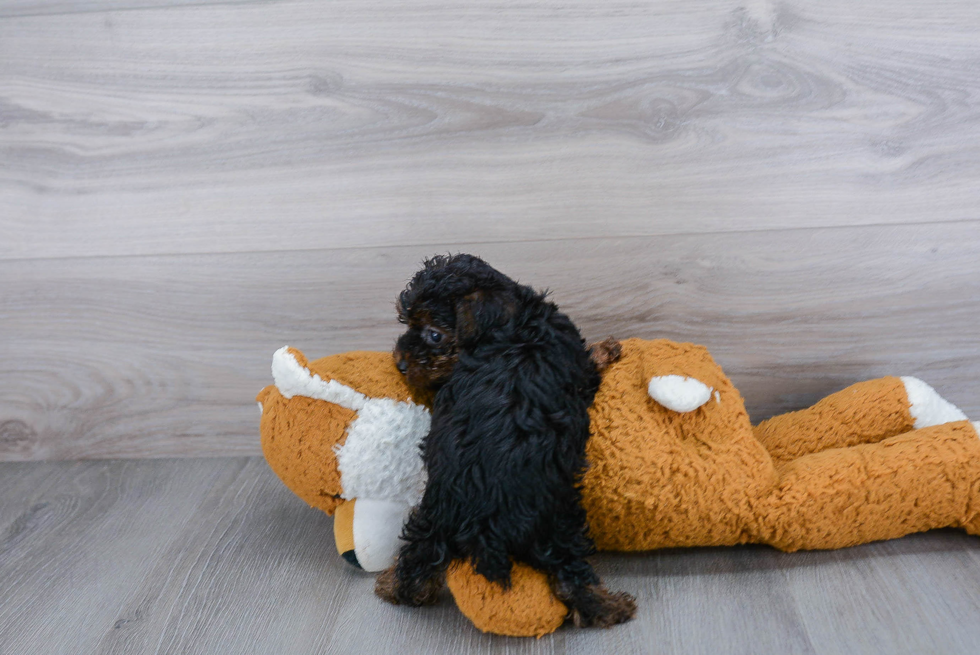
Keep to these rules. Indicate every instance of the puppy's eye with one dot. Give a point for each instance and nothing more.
(432, 337)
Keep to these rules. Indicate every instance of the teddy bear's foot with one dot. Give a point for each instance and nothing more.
(425, 592)
(927, 407)
(595, 606)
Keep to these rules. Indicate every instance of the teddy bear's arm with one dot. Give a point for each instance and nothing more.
(679, 393)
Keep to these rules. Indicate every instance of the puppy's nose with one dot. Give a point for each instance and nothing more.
(402, 366)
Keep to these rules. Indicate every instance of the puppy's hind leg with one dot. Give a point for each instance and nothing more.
(589, 602)
(420, 572)
(413, 581)
(575, 583)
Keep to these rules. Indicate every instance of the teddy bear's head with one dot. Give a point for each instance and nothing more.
(343, 433)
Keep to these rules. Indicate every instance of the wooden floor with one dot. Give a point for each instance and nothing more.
(217, 556)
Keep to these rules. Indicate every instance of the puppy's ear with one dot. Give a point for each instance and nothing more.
(480, 312)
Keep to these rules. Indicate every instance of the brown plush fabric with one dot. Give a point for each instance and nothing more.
(527, 609)
(298, 434)
(343, 526)
(296, 444)
(839, 420)
(372, 373)
(846, 471)
(659, 478)
(917, 481)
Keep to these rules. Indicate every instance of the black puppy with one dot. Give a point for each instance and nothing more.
(506, 452)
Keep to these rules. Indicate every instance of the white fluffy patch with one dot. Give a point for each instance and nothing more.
(679, 393)
(976, 426)
(292, 379)
(927, 407)
(381, 457)
(377, 527)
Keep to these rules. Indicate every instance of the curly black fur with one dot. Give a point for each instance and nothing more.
(506, 451)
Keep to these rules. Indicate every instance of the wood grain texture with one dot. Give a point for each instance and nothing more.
(304, 124)
(162, 356)
(217, 556)
(35, 8)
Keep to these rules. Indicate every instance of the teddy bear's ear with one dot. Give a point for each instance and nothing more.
(679, 393)
(293, 378)
(371, 373)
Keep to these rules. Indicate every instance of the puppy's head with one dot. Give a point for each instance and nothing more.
(448, 306)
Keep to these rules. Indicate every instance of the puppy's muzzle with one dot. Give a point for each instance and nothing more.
(401, 362)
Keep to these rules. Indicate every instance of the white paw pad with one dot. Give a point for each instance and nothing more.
(927, 407)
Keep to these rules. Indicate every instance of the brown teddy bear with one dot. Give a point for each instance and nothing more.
(674, 461)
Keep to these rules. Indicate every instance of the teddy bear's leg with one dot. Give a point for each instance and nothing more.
(924, 479)
(526, 608)
(865, 412)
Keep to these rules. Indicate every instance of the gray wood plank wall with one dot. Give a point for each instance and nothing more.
(185, 186)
